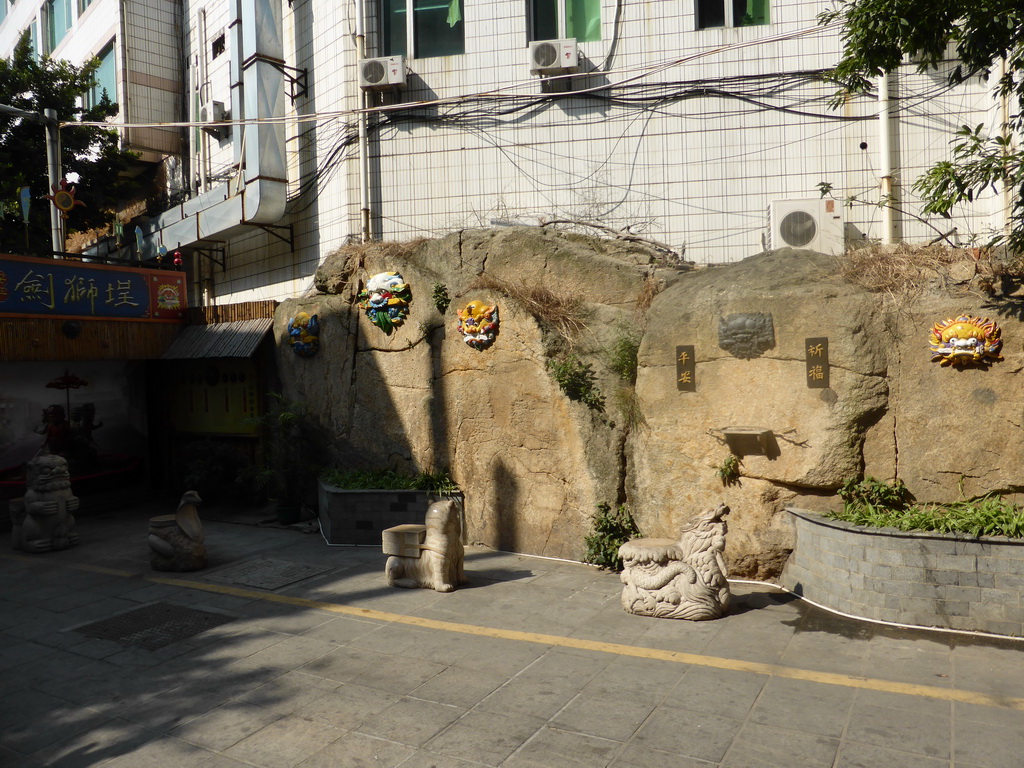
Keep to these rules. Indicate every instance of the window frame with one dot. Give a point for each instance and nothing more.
(729, 13)
(47, 18)
(561, 21)
(411, 46)
(92, 96)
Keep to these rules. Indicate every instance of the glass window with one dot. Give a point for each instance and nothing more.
(3, 9)
(560, 19)
(82, 5)
(58, 22)
(731, 13)
(106, 78)
(436, 30)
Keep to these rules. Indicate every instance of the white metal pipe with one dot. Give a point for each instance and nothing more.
(54, 174)
(885, 161)
(363, 133)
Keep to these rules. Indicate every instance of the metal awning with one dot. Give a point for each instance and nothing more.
(235, 339)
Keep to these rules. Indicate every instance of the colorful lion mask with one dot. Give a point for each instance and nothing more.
(966, 341)
(478, 323)
(386, 299)
(304, 334)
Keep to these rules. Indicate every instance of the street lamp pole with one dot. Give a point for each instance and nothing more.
(48, 119)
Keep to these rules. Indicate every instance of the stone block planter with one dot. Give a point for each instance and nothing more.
(360, 516)
(920, 578)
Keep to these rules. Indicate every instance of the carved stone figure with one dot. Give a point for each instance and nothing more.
(176, 541)
(682, 579)
(746, 335)
(439, 562)
(42, 519)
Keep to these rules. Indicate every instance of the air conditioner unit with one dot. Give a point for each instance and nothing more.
(378, 74)
(552, 57)
(816, 225)
(214, 112)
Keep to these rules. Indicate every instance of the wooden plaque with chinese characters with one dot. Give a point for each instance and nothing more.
(816, 356)
(686, 369)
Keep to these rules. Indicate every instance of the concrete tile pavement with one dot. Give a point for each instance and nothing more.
(533, 664)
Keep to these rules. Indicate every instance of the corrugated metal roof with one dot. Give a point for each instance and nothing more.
(235, 339)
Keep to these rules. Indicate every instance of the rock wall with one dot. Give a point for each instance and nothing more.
(534, 464)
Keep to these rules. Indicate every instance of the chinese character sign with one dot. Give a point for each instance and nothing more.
(816, 358)
(686, 369)
(77, 289)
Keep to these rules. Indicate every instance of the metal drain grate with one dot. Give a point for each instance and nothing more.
(267, 574)
(154, 626)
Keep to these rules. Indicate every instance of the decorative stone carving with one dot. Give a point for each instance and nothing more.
(478, 324)
(966, 341)
(42, 519)
(438, 563)
(746, 336)
(176, 541)
(386, 300)
(682, 579)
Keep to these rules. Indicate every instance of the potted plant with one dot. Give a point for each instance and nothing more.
(291, 441)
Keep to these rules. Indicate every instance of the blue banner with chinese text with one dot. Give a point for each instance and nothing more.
(66, 288)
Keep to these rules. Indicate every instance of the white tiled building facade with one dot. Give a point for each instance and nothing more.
(687, 135)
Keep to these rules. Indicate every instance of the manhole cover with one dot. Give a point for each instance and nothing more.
(268, 574)
(154, 626)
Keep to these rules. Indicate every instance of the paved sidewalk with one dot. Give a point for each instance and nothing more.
(286, 652)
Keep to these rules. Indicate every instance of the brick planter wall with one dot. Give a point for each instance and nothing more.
(359, 517)
(925, 579)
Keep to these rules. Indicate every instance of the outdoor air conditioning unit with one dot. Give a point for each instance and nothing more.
(816, 225)
(378, 74)
(553, 57)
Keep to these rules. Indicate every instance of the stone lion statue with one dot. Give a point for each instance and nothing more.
(683, 579)
(440, 562)
(42, 521)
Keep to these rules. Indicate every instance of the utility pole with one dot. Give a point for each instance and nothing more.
(48, 119)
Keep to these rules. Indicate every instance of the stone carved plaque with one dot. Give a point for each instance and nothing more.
(816, 358)
(686, 369)
(747, 335)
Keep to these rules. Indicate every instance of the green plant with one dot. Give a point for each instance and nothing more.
(628, 404)
(729, 470)
(441, 298)
(622, 356)
(577, 380)
(292, 440)
(612, 529)
(438, 483)
(870, 494)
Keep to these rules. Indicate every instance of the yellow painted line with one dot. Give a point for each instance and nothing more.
(618, 649)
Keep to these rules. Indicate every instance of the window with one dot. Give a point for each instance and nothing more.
(3, 9)
(82, 5)
(106, 78)
(218, 46)
(58, 22)
(731, 13)
(560, 19)
(436, 29)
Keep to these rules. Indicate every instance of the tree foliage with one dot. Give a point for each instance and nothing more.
(93, 153)
(988, 36)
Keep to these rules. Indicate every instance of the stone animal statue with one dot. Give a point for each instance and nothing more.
(440, 562)
(42, 520)
(683, 579)
(176, 541)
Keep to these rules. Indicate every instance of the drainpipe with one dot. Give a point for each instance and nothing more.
(1004, 118)
(885, 161)
(201, 93)
(364, 184)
